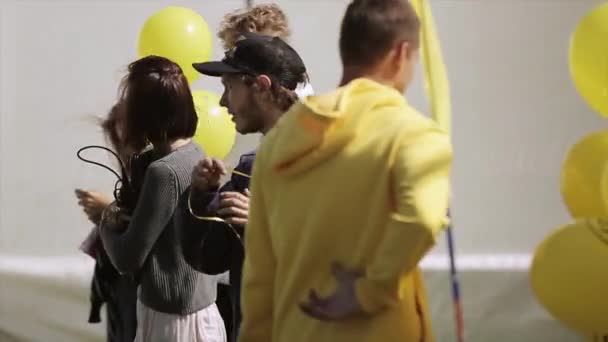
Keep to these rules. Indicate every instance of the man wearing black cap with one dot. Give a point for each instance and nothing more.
(260, 76)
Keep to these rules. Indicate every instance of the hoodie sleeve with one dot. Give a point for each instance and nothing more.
(420, 191)
(259, 267)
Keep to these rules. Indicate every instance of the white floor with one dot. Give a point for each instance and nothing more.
(46, 300)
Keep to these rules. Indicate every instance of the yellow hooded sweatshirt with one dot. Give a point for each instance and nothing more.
(356, 177)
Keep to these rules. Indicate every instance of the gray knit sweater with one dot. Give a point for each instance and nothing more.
(152, 244)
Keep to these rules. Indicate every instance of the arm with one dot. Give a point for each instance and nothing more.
(259, 267)
(203, 193)
(420, 189)
(157, 202)
(208, 246)
(204, 202)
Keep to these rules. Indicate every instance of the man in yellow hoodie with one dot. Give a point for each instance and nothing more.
(349, 192)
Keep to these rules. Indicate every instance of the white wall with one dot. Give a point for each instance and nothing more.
(515, 109)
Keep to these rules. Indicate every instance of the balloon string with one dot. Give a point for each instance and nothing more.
(242, 174)
(212, 219)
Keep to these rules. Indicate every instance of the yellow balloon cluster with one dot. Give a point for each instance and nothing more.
(589, 59)
(183, 36)
(179, 34)
(583, 179)
(569, 272)
(569, 275)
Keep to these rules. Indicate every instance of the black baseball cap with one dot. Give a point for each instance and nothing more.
(257, 54)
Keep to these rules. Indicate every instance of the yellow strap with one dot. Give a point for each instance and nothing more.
(211, 218)
(239, 173)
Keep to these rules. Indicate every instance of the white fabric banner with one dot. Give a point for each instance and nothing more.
(46, 299)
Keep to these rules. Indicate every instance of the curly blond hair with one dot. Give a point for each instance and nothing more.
(268, 19)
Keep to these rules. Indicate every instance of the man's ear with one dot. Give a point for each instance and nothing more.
(263, 82)
(410, 51)
(403, 51)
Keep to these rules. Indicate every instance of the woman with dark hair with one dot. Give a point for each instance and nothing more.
(93, 203)
(176, 303)
(118, 292)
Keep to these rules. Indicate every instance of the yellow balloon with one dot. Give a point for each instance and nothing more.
(584, 178)
(215, 132)
(569, 275)
(179, 34)
(589, 58)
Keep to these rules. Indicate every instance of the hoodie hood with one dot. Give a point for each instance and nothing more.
(319, 127)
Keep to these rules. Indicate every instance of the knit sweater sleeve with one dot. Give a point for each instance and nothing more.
(157, 202)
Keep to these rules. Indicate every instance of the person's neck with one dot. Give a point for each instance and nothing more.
(351, 73)
(272, 115)
(170, 146)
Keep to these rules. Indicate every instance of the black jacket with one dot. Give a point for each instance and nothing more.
(108, 286)
(218, 247)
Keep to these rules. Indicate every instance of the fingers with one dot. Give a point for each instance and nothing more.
(85, 202)
(212, 166)
(318, 307)
(238, 221)
(204, 166)
(218, 167)
(247, 193)
(89, 202)
(315, 311)
(82, 194)
(207, 173)
(199, 181)
(206, 163)
(234, 207)
(201, 169)
(229, 198)
(342, 304)
(233, 212)
(201, 174)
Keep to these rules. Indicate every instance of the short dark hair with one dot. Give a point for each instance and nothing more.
(370, 28)
(158, 103)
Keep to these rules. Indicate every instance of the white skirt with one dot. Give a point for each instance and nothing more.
(205, 325)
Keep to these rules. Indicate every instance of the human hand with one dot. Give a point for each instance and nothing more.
(113, 217)
(207, 174)
(93, 203)
(234, 207)
(340, 305)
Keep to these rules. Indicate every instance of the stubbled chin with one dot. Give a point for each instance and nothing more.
(238, 125)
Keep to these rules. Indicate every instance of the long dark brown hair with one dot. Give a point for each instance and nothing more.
(113, 128)
(157, 102)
